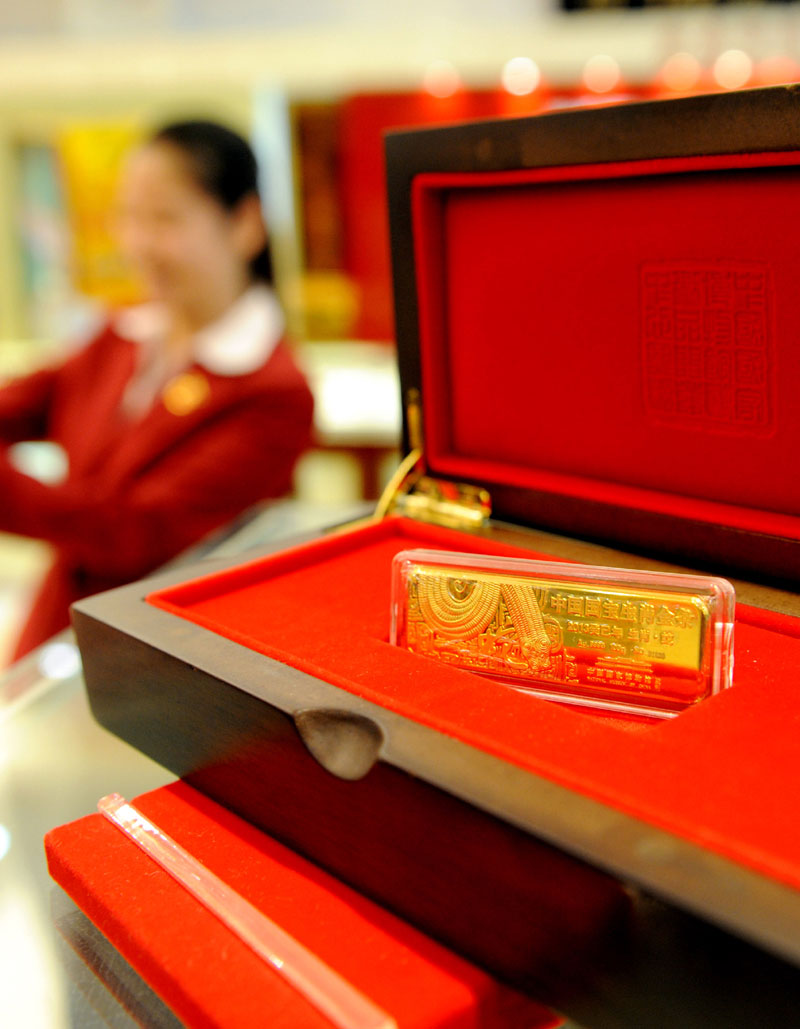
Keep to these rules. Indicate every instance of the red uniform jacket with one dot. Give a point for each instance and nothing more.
(139, 492)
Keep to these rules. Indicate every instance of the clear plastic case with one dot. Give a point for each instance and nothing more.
(645, 643)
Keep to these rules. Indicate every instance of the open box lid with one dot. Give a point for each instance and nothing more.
(597, 320)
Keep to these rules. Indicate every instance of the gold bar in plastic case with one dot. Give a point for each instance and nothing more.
(647, 643)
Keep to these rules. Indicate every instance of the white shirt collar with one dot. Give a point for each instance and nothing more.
(237, 343)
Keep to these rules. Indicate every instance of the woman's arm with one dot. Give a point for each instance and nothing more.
(25, 405)
(209, 477)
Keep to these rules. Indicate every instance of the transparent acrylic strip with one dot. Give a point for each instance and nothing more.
(331, 994)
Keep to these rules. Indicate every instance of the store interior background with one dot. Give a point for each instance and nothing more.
(313, 84)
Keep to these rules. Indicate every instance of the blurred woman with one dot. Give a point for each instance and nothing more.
(180, 413)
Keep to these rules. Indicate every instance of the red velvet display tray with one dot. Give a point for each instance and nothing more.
(210, 978)
(717, 775)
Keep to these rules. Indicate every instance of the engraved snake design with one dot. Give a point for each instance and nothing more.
(462, 608)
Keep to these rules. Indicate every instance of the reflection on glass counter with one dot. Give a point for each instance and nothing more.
(55, 764)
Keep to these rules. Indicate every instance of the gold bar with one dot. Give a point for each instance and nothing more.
(648, 643)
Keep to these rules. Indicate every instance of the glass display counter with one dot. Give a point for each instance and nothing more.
(56, 970)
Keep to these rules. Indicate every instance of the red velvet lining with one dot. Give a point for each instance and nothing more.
(621, 332)
(719, 774)
(204, 972)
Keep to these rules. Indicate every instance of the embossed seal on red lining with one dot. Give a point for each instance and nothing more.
(707, 349)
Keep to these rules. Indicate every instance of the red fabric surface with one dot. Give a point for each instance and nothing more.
(719, 774)
(622, 332)
(210, 978)
(139, 492)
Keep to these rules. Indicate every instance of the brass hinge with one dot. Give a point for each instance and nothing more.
(457, 505)
(413, 493)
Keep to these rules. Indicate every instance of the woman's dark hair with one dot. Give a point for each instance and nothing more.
(223, 165)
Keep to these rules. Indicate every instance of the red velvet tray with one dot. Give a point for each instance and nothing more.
(210, 978)
(324, 608)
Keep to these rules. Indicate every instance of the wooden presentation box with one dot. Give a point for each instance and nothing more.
(597, 320)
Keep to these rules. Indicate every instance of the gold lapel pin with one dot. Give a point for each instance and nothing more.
(185, 393)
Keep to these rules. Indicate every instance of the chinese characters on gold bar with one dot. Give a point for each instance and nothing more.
(638, 642)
